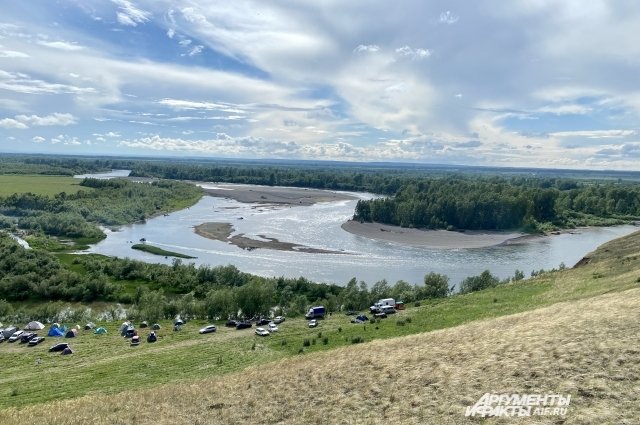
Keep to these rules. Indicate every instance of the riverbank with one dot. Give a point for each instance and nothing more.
(273, 195)
(223, 231)
(433, 238)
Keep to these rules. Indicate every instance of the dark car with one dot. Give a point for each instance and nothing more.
(351, 313)
(262, 322)
(231, 324)
(243, 325)
(35, 341)
(59, 347)
(26, 337)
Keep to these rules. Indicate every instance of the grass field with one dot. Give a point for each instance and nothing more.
(158, 251)
(108, 365)
(39, 185)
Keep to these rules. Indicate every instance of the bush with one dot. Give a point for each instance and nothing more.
(313, 341)
(408, 320)
(417, 304)
(306, 343)
(400, 322)
(283, 342)
(357, 340)
(340, 328)
(325, 341)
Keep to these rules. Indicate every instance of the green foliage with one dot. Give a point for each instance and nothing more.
(477, 283)
(435, 286)
(158, 251)
(495, 203)
(357, 340)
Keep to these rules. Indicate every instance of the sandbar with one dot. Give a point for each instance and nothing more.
(273, 195)
(433, 238)
(223, 231)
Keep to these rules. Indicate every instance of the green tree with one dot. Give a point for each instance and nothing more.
(477, 283)
(435, 286)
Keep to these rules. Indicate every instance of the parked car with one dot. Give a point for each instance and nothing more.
(262, 332)
(278, 319)
(273, 327)
(380, 315)
(208, 329)
(16, 336)
(26, 337)
(59, 347)
(351, 313)
(231, 324)
(35, 341)
(313, 323)
(262, 322)
(1, 337)
(243, 325)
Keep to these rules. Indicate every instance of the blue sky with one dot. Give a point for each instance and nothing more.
(541, 83)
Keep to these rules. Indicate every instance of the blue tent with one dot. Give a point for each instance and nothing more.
(100, 331)
(56, 332)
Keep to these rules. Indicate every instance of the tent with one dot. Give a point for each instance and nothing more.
(7, 332)
(130, 332)
(34, 326)
(89, 325)
(155, 326)
(56, 332)
(100, 331)
(179, 322)
(67, 351)
(152, 337)
(144, 324)
(71, 333)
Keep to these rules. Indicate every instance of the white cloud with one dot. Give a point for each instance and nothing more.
(196, 50)
(568, 109)
(129, 15)
(595, 134)
(171, 33)
(367, 48)
(448, 18)
(12, 123)
(38, 139)
(24, 121)
(413, 53)
(61, 45)
(13, 54)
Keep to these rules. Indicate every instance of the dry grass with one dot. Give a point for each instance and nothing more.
(586, 348)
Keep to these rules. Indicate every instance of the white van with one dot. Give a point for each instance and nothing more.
(387, 309)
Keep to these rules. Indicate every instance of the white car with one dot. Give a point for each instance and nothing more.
(273, 327)
(278, 319)
(262, 332)
(16, 336)
(208, 329)
(313, 323)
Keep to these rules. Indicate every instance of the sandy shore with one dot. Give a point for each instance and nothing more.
(223, 231)
(432, 238)
(272, 195)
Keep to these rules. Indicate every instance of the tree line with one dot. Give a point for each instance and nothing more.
(498, 203)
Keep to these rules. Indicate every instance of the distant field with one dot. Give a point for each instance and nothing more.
(39, 185)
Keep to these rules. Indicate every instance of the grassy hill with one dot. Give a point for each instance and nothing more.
(581, 339)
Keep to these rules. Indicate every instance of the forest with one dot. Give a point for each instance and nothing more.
(101, 202)
(498, 203)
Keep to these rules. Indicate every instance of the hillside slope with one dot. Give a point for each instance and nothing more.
(587, 348)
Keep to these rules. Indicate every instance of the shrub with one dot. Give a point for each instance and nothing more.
(325, 340)
(319, 334)
(417, 304)
(283, 342)
(301, 351)
(313, 341)
(357, 340)
(340, 328)
(400, 322)
(306, 343)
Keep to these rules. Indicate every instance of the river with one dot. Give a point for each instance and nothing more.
(318, 226)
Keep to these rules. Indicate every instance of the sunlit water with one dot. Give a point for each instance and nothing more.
(318, 226)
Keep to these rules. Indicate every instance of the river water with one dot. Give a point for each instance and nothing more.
(318, 226)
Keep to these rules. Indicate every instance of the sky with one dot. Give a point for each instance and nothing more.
(532, 83)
